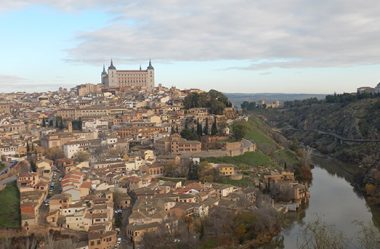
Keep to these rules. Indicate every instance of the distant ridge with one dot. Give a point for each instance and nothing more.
(238, 98)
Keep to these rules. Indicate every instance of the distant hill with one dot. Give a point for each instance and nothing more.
(238, 98)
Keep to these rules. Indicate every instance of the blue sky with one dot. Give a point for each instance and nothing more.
(294, 46)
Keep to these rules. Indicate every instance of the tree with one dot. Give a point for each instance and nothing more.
(239, 130)
(54, 153)
(369, 237)
(205, 129)
(27, 147)
(186, 134)
(206, 173)
(82, 156)
(193, 172)
(318, 235)
(199, 129)
(170, 170)
(61, 125)
(43, 122)
(213, 100)
(214, 128)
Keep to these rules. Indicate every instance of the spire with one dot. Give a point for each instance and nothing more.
(150, 65)
(140, 67)
(111, 66)
(104, 71)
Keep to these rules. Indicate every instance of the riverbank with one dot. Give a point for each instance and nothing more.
(333, 201)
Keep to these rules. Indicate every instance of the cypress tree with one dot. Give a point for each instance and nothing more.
(205, 129)
(214, 129)
(199, 129)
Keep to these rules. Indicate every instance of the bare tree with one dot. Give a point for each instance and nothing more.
(5, 243)
(318, 235)
(369, 236)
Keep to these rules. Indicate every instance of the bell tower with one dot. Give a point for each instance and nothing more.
(150, 77)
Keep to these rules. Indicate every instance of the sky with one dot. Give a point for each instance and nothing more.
(274, 46)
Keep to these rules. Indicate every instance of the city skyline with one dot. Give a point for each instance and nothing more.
(245, 46)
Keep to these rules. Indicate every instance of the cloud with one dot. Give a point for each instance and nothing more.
(269, 33)
(12, 79)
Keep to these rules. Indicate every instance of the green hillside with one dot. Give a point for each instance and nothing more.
(10, 207)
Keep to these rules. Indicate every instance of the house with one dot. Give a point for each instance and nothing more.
(135, 232)
(59, 201)
(275, 177)
(85, 188)
(154, 170)
(52, 218)
(101, 240)
(134, 163)
(30, 203)
(177, 145)
(44, 168)
(182, 210)
(78, 221)
(225, 169)
(223, 190)
(28, 180)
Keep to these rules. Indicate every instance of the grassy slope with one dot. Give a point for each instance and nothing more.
(10, 207)
(258, 132)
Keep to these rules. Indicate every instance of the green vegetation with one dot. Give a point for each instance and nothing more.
(348, 97)
(244, 182)
(213, 100)
(239, 130)
(2, 166)
(273, 148)
(326, 124)
(259, 133)
(10, 207)
(256, 158)
(287, 156)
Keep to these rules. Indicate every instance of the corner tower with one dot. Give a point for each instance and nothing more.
(113, 80)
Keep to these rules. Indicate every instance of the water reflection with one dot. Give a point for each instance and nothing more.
(332, 200)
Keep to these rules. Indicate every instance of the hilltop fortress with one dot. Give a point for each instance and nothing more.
(124, 79)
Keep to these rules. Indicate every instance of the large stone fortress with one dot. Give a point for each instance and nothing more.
(124, 79)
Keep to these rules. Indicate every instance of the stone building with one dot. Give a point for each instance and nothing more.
(124, 79)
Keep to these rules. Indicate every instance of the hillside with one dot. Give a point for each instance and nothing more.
(342, 130)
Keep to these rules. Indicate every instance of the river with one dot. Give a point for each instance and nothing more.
(333, 200)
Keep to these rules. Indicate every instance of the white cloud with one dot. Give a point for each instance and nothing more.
(11, 79)
(283, 33)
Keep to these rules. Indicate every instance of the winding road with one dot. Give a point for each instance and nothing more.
(339, 137)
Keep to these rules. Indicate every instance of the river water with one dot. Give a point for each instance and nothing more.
(333, 201)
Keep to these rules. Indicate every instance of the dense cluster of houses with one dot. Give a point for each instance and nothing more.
(108, 152)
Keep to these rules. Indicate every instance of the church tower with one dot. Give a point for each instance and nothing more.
(150, 77)
(104, 76)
